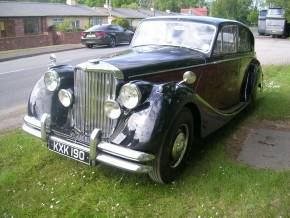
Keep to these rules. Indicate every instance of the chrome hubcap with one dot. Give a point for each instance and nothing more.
(179, 146)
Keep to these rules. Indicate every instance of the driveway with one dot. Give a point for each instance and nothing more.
(272, 51)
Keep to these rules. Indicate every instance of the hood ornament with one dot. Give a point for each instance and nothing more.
(52, 61)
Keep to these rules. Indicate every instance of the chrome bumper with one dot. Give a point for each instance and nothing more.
(108, 153)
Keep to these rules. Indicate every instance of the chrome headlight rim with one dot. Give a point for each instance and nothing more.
(69, 94)
(51, 74)
(121, 96)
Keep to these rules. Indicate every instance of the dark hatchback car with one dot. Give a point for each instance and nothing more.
(142, 110)
(108, 34)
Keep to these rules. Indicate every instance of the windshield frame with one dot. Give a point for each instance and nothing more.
(175, 45)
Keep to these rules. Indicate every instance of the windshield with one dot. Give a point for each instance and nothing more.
(263, 13)
(193, 35)
(276, 11)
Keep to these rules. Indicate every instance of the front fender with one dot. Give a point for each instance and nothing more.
(145, 128)
(43, 101)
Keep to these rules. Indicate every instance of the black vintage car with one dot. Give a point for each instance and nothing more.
(108, 34)
(142, 109)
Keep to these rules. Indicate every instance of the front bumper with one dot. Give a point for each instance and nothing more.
(99, 151)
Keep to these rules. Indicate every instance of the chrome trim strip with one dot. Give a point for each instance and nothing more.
(191, 67)
(31, 130)
(227, 113)
(99, 65)
(125, 153)
(123, 164)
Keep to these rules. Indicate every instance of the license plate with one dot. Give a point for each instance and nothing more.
(91, 36)
(69, 151)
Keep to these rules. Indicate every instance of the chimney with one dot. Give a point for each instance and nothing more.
(71, 2)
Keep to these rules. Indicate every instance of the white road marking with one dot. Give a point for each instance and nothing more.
(12, 71)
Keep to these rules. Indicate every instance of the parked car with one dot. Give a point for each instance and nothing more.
(108, 34)
(143, 109)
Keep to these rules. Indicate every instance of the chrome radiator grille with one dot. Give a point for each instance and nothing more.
(91, 90)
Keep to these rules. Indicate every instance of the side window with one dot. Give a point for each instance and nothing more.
(244, 40)
(227, 40)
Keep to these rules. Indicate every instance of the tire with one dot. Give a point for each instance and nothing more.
(89, 45)
(252, 89)
(112, 42)
(171, 158)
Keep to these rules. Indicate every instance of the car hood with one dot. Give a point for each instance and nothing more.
(149, 59)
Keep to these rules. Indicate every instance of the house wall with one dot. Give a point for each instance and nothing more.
(45, 37)
(25, 41)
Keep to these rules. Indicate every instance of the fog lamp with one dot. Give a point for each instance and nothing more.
(112, 109)
(65, 97)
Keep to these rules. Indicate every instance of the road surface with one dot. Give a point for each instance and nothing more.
(17, 78)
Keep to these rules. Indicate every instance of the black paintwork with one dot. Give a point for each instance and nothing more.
(158, 70)
(146, 60)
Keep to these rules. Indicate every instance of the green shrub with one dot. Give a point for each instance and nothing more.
(122, 22)
(63, 27)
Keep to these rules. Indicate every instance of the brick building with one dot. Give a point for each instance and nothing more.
(195, 11)
(28, 24)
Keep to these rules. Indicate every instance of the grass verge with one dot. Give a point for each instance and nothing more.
(37, 183)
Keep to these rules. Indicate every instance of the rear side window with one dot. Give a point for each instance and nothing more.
(227, 40)
(244, 40)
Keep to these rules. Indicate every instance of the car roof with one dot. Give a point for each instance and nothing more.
(202, 19)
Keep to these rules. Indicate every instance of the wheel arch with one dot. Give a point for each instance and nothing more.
(252, 77)
(196, 118)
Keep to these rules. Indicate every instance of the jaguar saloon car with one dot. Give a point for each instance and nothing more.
(108, 34)
(142, 109)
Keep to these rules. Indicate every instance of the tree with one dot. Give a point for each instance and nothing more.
(282, 3)
(252, 17)
(232, 9)
(121, 22)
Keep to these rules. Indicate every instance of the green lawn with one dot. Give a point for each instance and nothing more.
(37, 183)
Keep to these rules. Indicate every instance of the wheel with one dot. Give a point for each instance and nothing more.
(89, 45)
(172, 154)
(112, 42)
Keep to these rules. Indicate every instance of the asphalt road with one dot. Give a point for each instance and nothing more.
(17, 78)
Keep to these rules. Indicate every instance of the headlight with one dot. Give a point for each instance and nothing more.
(65, 97)
(129, 96)
(112, 109)
(51, 80)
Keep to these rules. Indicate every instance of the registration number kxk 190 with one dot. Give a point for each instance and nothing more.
(69, 151)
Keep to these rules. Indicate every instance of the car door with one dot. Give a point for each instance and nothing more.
(219, 83)
(119, 33)
(123, 34)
